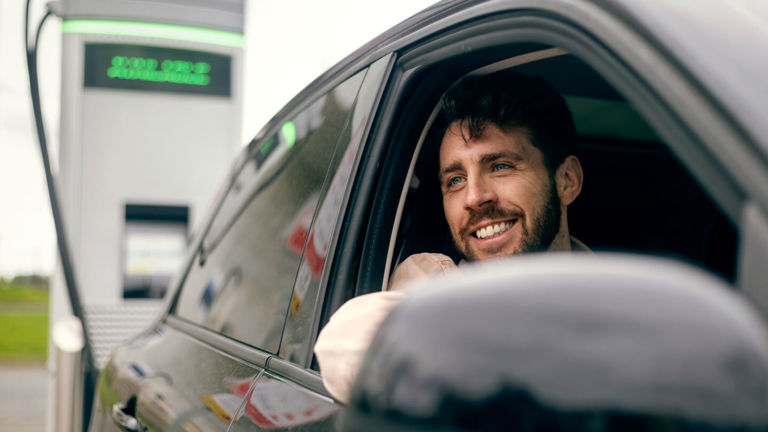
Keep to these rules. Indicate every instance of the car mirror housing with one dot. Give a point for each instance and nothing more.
(567, 342)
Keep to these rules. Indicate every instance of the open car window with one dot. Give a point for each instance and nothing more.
(637, 196)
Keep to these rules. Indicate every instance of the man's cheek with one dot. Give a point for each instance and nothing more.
(451, 216)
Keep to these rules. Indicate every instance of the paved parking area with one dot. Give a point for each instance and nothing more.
(23, 393)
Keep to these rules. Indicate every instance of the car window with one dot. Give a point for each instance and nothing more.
(308, 289)
(638, 196)
(241, 281)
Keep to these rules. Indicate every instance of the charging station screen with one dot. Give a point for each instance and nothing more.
(148, 68)
(154, 244)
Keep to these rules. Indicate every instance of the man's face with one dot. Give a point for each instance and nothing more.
(498, 196)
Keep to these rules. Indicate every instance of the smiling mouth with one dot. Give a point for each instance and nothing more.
(493, 230)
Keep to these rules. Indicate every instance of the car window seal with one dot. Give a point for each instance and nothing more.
(233, 347)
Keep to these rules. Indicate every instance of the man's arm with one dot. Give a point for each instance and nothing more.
(343, 342)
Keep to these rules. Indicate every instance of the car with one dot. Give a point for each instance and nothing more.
(669, 102)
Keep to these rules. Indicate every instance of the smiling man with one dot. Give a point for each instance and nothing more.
(507, 170)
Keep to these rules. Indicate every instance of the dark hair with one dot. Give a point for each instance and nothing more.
(512, 100)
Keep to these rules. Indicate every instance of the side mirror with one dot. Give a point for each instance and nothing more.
(567, 342)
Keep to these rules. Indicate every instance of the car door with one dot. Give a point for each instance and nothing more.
(660, 179)
(672, 168)
(205, 365)
(669, 168)
(290, 394)
(167, 380)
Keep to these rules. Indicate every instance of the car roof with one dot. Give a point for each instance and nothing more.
(719, 45)
(722, 44)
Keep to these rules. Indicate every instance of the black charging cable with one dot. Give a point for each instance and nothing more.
(90, 372)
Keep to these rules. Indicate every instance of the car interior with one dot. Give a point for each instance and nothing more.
(637, 197)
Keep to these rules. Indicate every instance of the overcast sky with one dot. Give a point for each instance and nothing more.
(329, 30)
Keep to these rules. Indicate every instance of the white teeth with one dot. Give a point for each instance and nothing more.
(492, 230)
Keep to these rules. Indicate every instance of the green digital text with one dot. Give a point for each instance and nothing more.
(154, 70)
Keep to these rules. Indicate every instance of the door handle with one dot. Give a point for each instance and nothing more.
(124, 416)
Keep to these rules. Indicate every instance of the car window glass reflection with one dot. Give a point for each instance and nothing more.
(308, 289)
(275, 404)
(241, 283)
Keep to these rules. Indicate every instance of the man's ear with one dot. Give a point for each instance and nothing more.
(569, 178)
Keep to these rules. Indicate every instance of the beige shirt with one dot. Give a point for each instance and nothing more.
(343, 342)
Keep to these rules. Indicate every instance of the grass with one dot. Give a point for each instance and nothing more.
(23, 323)
(24, 337)
(18, 293)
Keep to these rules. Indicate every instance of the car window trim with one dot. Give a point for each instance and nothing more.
(260, 359)
(752, 256)
(306, 378)
(232, 347)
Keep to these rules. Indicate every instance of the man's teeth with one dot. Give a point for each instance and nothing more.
(492, 230)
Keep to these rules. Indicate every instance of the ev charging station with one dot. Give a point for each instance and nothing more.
(150, 123)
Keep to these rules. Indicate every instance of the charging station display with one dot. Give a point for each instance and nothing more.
(149, 68)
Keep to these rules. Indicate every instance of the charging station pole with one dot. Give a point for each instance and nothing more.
(150, 122)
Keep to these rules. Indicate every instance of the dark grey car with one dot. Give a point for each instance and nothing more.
(670, 100)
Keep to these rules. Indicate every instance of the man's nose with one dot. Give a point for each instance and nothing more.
(479, 193)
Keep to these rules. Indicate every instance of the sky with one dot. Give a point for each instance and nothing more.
(329, 30)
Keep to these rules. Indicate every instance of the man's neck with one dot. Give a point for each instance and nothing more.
(562, 241)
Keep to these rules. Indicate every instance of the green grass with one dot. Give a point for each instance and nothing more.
(15, 293)
(24, 337)
(23, 323)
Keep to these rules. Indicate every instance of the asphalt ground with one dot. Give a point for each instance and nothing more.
(23, 397)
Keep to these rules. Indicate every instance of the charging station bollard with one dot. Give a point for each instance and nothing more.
(68, 342)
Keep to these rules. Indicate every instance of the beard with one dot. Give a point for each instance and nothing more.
(537, 237)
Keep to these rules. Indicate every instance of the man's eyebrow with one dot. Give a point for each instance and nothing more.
(455, 166)
(492, 157)
(484, 159)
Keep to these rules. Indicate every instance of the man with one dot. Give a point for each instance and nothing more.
(507, 171)
(508, 168)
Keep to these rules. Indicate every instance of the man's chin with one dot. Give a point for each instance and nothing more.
(478, 254)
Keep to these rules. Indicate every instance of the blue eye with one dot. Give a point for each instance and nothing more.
(501, 166)
(454, 181)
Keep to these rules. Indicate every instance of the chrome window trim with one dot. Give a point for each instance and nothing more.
(221, 343)
(306, 378)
